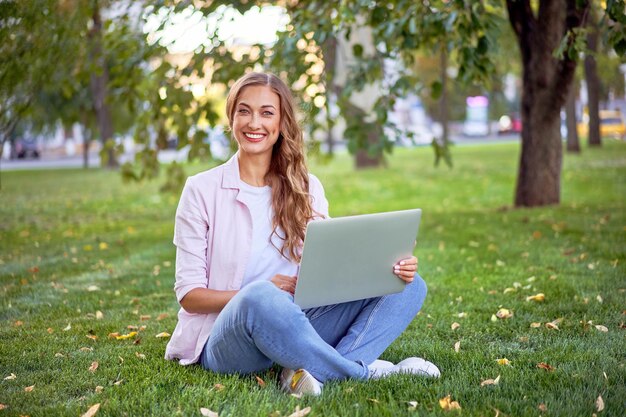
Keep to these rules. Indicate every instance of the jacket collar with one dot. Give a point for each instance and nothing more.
(230, 176)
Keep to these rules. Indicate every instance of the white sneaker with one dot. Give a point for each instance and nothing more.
(414, 366)
(299, 382)
(418, 366)
(379, 368)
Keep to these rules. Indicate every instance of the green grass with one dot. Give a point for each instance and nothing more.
(64, 233)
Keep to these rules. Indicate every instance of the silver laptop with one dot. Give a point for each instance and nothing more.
(352, 258)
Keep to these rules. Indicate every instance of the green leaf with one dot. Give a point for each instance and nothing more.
(436, 89)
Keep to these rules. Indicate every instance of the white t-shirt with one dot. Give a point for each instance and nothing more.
(265, 260)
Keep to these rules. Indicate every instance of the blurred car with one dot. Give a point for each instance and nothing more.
(27, 148)
(509, 124)
(611, 124)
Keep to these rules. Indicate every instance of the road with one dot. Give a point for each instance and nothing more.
(56, 162)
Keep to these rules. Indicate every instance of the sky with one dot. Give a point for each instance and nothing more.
(186, 31)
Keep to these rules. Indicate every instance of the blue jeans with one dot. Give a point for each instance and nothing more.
(261, 326)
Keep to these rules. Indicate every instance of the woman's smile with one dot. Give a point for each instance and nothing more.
(254, 137)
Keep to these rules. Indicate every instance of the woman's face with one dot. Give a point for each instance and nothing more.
(256, 121)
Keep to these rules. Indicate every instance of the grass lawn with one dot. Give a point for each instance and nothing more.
(83, 256)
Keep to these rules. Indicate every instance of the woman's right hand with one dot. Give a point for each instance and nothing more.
(285, 282)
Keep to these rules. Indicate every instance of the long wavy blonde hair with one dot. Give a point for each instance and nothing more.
(288, 174)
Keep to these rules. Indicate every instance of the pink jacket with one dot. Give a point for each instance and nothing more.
(213, 238)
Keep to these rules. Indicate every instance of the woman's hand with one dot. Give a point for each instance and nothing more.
(405, 269)
(285, 283)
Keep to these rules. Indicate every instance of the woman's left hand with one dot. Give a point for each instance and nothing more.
(405, 269)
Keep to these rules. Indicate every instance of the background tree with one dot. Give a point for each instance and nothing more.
(27, 56)
(591, 78)
(573, 142)
(546, 83)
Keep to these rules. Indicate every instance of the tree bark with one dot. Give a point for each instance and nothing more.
(86, 140)
(546, 83)
(99, 85)
(593, 83)
(443, 101)
(359, 107)
(573, 144)
(329, 50)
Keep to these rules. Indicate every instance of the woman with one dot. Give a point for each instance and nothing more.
(239, 231)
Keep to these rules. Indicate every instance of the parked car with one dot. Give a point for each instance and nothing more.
(509, 124)
(27, 148)
(611, 124)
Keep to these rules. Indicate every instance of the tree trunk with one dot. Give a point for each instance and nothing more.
(443, 101)
(99, 85)
(329, 50)
(360, 106)
(546, 84)
(593, 83)
(86, 140)
(573, 144)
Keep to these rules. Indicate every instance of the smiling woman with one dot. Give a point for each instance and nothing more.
(239, 233)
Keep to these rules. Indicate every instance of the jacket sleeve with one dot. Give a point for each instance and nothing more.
(190, 237)
(318, 198)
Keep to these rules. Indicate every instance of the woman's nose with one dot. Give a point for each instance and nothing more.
(254, 123)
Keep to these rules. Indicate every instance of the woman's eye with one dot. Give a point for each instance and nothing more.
(243, 111)
(268, 113)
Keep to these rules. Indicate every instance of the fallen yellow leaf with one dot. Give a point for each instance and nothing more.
(2, 406)
(300, 413)
(535, 325)
(503, 361)
(99, 389)
(208, 413)
(93, 367)
(554, 324)
(599, 403)
(93, 288)
(99, 315)
(412, 405)
(163, 335)
(602, 328)
(457, 346)
(504, 313)
(126, 336)
(455, 325)
(92, 337)
(10, 377)
(113, 335)
(218, 387)
(542, 407)
(29, 389)
(103, 246)
(162, 316)
(543, 365)
(260, 381)
(537, 297)
(448, 405)
(140, 355)
(144, 317)
(490, 381)
(92, 410)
